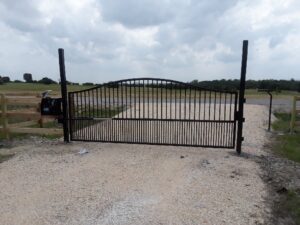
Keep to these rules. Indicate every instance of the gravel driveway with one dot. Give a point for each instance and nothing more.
(48, 182)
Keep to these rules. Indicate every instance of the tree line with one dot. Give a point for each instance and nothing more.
(27, 79)
(231, 84)
(271, 84)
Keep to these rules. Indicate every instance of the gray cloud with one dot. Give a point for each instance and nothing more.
(22, 15)
(132, 13)
(179, 39)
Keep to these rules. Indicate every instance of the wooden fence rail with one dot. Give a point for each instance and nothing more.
(295, 112)
(26, 109)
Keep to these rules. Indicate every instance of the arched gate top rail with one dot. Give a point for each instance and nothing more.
(155, 79)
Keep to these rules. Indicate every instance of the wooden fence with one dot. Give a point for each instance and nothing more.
(21, 114)
(295, 113)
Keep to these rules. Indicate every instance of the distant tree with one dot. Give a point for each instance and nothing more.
(263, 85)
(251, 84)
(194, 82)
(68, 82)
(47, 80)
(18, 81)
(27, 77)
(5, 79)
(111, 85)
(87, 84)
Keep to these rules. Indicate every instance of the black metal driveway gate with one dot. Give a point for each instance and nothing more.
(155, 111)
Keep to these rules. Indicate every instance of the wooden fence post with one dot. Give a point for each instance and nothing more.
(294, 114)
(41, 120)
(4, 116)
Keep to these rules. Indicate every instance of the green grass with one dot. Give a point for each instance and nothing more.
(282, 123)
(12, 136)
(287, 144)
(50, 124)
(253, 93)
(100, 112)
(17, 136)
(38, 88)
(291, 205)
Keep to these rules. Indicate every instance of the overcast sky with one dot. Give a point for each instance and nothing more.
(106, 40)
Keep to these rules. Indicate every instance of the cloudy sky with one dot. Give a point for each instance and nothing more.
(106, 40)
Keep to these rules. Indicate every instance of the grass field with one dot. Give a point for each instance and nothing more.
(36, 88)
(253, 93)
(287, 144)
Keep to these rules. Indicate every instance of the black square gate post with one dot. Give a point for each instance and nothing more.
(64, 94)
(242, 100)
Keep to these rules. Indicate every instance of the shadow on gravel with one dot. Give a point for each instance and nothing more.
(243, 155)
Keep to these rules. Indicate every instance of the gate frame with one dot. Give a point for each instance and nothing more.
(239, 115)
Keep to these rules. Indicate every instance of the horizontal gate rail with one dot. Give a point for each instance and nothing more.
(150, 119)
